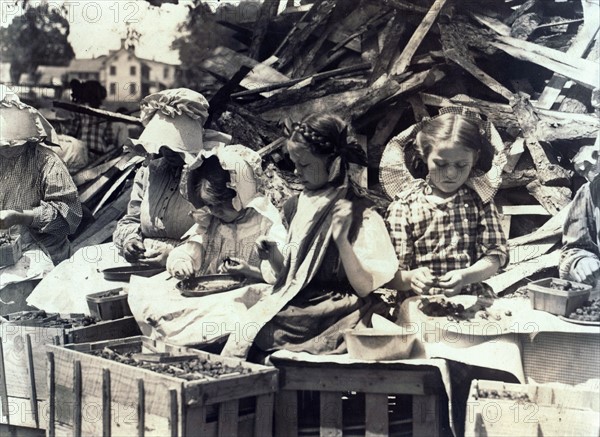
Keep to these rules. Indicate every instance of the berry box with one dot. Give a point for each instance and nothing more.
(557, 296)
(10, 249)
(109, 304)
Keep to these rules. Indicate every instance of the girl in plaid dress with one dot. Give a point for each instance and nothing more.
(447, 235)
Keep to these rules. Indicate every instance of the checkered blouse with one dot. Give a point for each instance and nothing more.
(38, 180)
(444, 236)
(95, 132)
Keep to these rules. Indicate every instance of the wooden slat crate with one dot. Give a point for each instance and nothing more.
(23, 383)
(90, 395)
(376, 380)
(501, 409)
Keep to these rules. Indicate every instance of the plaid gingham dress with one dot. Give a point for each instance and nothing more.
(444, 236)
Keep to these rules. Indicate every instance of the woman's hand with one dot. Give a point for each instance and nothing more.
(452, 282)
(133, 250)
(341, 220)
(10, 217)
(156, 257)
(586, 270)
(421, 280)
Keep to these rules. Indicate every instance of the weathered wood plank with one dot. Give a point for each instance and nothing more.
(392, 35)
(33, 399)
(580, 45)
(403, 61)
(376, 415)
(580, 70)
(426, 416)
(547, 171)
(268, 10)
(331, 414)
(290, 49)
(286, 413)
(263, 416)
(553, 199)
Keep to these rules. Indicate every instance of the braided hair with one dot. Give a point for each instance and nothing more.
(327, 135)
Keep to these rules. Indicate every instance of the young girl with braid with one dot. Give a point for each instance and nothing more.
(337, 251)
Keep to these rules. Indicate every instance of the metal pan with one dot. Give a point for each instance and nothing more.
(124, 273)
(199, 286)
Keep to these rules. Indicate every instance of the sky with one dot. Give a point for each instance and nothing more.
(97, 26)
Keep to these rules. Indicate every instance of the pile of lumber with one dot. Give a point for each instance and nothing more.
(530, 67)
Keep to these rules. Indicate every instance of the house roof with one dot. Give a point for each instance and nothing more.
(86, 65)
(48, 75)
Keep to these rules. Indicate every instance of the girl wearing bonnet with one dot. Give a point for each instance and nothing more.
(224, 184)
(157, 214)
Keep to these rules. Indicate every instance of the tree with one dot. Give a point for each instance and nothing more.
(38, 37)
(203, 33)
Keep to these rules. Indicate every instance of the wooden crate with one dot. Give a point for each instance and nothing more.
(90, 395)
(23, 383)
(545, 411)
(376, 380)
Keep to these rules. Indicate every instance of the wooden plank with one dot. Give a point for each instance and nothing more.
(51, 395)
(426, 416)
(517, 149)
(382, 381)
(291, 49)
(392, 34)
(268, 10)
(582, 71)
(516, 273)
(101, 113)
(479, 74)
(263, 416)
(33, 399)
(174, 413)
(376, 415)
(523, 210)
(497, 26)
(141, 408)
(547, 171)
(579, 46)
(403, 61)
(553, 199)
(3, 389)
(286, 413)
(77, 395)
(114, 187)
(228, 418)
(106, 404)
(315, 77)
(331, 414)
(88, 174)
(98, 231)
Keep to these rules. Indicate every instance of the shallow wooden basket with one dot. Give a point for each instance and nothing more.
(23, 383)
(11, 253)
(90, 395)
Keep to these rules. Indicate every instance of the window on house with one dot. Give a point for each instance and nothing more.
(132, 88)
(132, 70)
(166, 72)
(113, 70)
(113, 89)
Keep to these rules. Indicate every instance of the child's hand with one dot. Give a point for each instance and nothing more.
(266, 247)
(341, 220)
(233, 266)
(452, 282)
(587, 271)
(421, 280)
(180, 268)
